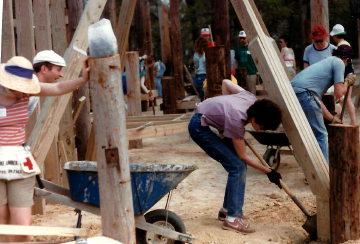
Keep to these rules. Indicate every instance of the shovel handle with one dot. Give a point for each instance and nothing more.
(283, 185)
(343, 107)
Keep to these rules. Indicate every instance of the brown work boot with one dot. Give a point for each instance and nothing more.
(222, 216)
(239, 225)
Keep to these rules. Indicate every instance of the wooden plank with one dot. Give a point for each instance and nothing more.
(97, 240)
(91, 150)
(117, 213)
(78, 110)
(24, 29)
(156, 123)
(306, 148)
(157, 131)
(169, 95)
(42, 231)
(74, 9)
(186, 105)
(42, 25)
(123, 28)
(8, 38)
(54, 107)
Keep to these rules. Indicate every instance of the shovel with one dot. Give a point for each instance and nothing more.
(310, 224)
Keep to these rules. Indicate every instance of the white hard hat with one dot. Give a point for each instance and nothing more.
(242, 34)
(338, 30)
(49, 56)
(205, 32)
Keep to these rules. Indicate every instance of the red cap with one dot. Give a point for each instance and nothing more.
(318, 33)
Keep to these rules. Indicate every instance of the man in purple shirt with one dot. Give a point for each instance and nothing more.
(229, 114)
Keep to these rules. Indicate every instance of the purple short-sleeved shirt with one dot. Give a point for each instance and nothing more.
(227, 113)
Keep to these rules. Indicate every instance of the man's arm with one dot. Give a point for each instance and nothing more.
(63, 87)
(228, 87)
(241, 152)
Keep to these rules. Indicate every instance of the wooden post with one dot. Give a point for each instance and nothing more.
(133, 90)
(241, 76)
(222, 31)
(357, 100)
(74, 10)
(177, 49)
(8, 38)
(1, 17)
(25, 29)
(320, 14)
(215, 69)
(165, 39)
(344, 182)
(58, 26)
(139, 28)
(117, 214)
(169, 95)
(148, 42)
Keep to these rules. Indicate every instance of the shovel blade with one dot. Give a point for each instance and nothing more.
(310, 227)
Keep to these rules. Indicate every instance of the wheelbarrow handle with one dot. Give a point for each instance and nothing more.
(283, 185)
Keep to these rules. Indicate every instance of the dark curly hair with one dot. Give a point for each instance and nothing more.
(267, 114)
(286, 39)
(343, 52)
(200, 45)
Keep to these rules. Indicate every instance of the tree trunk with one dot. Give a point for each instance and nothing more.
(165, 39)
(215, 70)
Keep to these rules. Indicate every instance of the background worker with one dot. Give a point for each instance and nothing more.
(243, 59)
(159, 69)
(205, 32)
(311, 84)
(229, 114)
(288, 54)
(17, 180)
(320, 49)
(338, 34)
(200, 65)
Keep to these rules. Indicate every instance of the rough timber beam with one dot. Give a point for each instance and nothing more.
(306, 148)
(54, 107)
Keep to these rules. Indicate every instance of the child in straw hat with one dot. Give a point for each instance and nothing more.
(17, 166)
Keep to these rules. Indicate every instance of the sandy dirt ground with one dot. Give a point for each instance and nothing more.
(199, 197)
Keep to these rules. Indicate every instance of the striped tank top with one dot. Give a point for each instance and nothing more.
(12, 122)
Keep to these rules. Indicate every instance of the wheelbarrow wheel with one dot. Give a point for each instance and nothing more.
(272, 159)
(165, 219)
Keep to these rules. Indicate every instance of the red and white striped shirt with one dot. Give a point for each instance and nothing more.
(12, 126)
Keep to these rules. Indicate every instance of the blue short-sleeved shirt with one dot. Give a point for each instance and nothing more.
(199, 64)
(320, 76)
(313, 55)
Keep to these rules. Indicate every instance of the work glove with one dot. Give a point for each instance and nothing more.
(274, 177)
(336, 120)
(350, 79)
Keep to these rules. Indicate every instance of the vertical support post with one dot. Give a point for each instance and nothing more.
(8, 37)
(148, 42)
(320, 14)
(215, 69)
(139, 27)
(344, 183)
(169, 95)
(241, 76)
(165, 39)
(75, 8)
(133, 90)
(1, 17)
(177, 49)
(222, 31)
(117, 214)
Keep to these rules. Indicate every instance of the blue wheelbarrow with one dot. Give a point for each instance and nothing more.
(150, 183)
(274, 141)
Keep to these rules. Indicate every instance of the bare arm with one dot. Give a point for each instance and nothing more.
(241, 152)
(228, 87)
(63, 87)
(327, 115)
(340, 89)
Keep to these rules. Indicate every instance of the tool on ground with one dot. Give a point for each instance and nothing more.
(310, 225)
(191, 80)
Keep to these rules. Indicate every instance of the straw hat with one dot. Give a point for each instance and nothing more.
(18, 74)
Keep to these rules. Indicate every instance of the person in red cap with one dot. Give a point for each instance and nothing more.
(205, 32)
(320, 49)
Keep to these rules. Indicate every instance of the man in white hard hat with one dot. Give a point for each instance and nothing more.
(243, 59)
(338, 34)
(48, 69)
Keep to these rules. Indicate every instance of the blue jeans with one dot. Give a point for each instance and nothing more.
(315, 117)
(158, 85)
(223, 151)
(199, 83)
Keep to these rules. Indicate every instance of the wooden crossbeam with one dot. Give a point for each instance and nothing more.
(54, 107)
(42, 231)
(133, 125)
(97, 240)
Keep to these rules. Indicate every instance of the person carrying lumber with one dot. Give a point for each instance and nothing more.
(311, 84)
(229, 114)
(17, 166)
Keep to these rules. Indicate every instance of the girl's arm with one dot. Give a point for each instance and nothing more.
(228, 87)
(63, 87)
